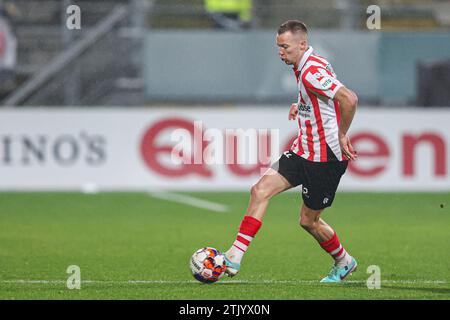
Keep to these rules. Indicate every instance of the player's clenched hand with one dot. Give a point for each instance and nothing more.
(347, 148)
(293, 111)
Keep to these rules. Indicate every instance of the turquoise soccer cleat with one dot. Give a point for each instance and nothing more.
(232, 267)
(337, 274)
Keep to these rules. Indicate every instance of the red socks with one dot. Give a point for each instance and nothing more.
(247, 231)
(334, 247)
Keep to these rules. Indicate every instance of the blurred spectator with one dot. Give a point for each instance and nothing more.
(8, 46)
(230, 14)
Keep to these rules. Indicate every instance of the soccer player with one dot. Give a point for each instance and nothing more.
(317, 158)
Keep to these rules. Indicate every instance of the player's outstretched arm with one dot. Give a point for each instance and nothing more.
(348, 101)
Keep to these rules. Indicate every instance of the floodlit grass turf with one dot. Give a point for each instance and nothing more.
(118, 237)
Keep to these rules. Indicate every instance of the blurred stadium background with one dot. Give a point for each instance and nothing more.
(90, 110)
(80, 67)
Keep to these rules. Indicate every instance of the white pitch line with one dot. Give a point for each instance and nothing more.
(185, 199)
(121, 282)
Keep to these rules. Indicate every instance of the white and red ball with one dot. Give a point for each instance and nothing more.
(207, 265)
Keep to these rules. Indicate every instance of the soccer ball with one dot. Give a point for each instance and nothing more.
(207, 265)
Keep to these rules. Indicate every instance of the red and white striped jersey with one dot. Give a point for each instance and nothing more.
(318, 115)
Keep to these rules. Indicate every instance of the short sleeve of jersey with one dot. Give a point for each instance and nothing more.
(320, 81)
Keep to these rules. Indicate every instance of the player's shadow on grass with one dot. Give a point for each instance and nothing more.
(432, 290)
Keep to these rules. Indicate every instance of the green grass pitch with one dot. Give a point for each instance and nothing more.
(134, 246)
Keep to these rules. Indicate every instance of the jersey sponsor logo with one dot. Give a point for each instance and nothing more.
(304, 115)
(326, 82)
(304, 110)
(304, 107)
(318, 75)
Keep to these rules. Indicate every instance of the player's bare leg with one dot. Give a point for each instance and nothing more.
(310, 221)
(344, 264)
(269, 185)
